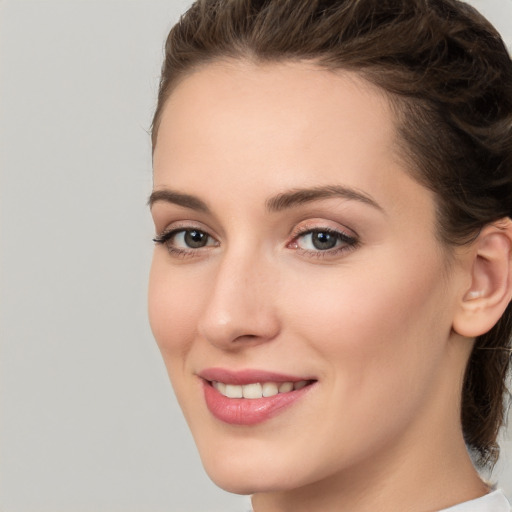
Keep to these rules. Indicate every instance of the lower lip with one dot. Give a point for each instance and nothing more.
(248, 411)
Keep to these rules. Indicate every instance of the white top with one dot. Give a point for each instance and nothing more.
(493, 502)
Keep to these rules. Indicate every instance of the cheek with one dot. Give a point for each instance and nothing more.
(172, 308)
(385, 323)
(375, 337)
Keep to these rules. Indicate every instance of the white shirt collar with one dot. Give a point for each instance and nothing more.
(493, 502)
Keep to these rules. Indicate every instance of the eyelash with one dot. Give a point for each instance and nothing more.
(166, 237)
(348, 242)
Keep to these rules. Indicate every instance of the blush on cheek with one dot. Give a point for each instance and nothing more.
(170, 327)
(171, 314)
(363, 316)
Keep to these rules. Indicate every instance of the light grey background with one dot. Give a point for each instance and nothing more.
(87, 417)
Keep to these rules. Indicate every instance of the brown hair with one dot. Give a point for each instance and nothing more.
(449, 77)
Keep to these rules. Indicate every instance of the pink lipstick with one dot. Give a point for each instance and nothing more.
(250, 397)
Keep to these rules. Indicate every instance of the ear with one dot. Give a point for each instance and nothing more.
(490, 266)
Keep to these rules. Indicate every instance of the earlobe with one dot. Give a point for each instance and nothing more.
(490, 290)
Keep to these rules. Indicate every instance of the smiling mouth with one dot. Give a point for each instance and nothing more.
(251, 397)
(258, 390)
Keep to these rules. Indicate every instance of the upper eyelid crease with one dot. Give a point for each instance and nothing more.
(167, 233)
(339, 234)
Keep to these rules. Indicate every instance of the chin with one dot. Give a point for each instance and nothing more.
(254, 470)
(247, 482)
(235, 484)
(240, 473)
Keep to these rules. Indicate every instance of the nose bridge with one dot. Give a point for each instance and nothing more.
(240, 306)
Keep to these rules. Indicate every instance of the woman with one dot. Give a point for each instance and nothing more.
(331, 281)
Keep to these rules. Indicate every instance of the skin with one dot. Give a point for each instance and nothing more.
(372, 322)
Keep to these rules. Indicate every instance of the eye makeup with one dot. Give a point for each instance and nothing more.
(323, 242)
(310, 240)
(183, 242)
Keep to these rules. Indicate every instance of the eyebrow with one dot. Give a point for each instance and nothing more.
(178, 198)
(277, 203)
(297, 197)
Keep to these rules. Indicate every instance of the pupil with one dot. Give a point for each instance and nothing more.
(195, 239)
(323, 241)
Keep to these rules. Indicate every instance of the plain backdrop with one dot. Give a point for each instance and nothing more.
(88, 421)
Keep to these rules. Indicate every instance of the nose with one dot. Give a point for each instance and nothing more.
(240, 308)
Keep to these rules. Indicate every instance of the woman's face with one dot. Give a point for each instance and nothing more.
(299, 266)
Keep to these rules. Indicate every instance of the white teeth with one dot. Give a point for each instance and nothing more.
(220, 387)
(285, 387)
(270, 389)
(252, 391)
(257, 390)
(233, 391)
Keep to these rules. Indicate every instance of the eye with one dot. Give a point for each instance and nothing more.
(185, 241)
(191, 238)
(323, 242)
(319, 240)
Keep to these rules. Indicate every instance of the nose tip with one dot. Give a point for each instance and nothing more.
(239, 310)
(229, 331)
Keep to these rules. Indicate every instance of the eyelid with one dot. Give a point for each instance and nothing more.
(165, 236)
(322, 225)
(348, 236)
(183, 224)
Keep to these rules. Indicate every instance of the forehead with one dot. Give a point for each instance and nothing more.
(277, 104)
(236, 87)
(249, 127)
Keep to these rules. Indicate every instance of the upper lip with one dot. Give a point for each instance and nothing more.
(248, 376)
